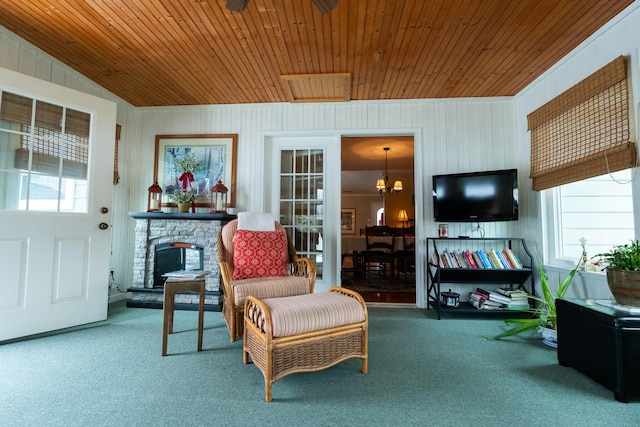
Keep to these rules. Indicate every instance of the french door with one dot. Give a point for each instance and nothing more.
(306, 201)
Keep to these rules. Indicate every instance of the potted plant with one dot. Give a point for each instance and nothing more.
(623, 273)
(544, 318)
(183, 199)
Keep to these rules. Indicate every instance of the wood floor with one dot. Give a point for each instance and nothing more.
(379, 288)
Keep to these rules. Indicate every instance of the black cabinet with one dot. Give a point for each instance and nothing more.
(602, 343)
(437, 275)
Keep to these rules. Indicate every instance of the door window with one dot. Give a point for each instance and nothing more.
(45, 149)
(302, 201)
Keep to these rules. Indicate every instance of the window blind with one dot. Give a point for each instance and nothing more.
(583, 132)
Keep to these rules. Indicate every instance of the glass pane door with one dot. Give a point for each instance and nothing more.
(301, 201)
(44, 150)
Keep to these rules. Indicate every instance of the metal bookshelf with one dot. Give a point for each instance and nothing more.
(437, 275)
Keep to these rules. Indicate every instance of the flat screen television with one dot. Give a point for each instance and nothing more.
(476, 196)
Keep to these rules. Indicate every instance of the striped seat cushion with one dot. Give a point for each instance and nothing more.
(312, 312)
(269, 287)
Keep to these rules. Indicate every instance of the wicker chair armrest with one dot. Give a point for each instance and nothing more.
(304, 267)
(352, 294)
(226, 273)
(257, 313)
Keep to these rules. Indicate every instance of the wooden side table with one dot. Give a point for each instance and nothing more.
(171, 288)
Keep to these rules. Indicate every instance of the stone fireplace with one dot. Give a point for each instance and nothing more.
(155, 230)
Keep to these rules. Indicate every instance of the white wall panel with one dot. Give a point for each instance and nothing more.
(619, 37)
(18, 55)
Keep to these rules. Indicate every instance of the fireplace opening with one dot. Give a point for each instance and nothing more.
(176, 256)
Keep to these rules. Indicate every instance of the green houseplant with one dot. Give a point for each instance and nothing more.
(623, 273)
(183, 199)
(544, 312)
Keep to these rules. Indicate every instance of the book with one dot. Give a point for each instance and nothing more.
(482, 292)
(462, 260)
(186, 274)
(494, 296)
(444, 262)
(484, 258)
(513, 293)
(505, 261)
(478, 297)
(511, 256)
(495, 259)
(450, 258)
(472, 263)
(483, 304)
(477, 260)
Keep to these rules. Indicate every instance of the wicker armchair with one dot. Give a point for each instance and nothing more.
(301, 280)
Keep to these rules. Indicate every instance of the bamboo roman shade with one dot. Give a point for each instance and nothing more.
(18, 109)
(41, 148)
(583, 132)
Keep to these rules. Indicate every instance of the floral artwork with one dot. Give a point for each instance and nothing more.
(195, 163)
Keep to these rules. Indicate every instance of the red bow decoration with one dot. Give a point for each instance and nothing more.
(186, 179)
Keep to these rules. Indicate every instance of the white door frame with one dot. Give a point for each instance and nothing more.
(332, 186)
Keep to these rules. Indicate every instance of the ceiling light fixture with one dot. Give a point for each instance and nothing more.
(324, 6)
(383, 185)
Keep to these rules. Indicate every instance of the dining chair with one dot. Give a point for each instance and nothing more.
(380, 251)
(406, 257)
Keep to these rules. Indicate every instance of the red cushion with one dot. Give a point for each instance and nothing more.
(259, 254)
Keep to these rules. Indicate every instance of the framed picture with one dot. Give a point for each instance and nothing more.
(216, 155)
(348, 220)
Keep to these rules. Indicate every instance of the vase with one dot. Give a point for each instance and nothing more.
(549, 336)
(183, 207)
(625, 286)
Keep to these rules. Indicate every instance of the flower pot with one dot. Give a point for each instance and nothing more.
(625, 286)
(183, 207)
(549, 336)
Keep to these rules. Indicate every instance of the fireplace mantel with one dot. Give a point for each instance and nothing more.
(155, 228)
(189, 216)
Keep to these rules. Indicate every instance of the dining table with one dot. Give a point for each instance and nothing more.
(359, 243)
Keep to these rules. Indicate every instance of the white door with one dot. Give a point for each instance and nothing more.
(55, 207)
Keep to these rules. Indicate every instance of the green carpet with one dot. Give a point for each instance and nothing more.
(422, 372)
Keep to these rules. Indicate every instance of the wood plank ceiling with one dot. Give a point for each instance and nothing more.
(190, 52)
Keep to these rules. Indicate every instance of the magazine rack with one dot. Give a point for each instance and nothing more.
(515, 278)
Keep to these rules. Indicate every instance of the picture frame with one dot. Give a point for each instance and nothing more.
(348, 220)
(216, 154)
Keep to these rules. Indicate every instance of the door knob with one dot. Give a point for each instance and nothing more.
(104, 210)
(103, 226)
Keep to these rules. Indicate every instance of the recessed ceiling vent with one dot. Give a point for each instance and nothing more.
(334, 87)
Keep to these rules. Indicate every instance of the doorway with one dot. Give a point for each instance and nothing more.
(364, 162)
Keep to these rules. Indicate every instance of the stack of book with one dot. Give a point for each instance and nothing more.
(457, 258)
(501, 299)
(519, 300)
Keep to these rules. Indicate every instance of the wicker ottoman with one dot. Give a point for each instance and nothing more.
(304, 333)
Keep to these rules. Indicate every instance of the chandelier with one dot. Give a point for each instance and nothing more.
(383, 185)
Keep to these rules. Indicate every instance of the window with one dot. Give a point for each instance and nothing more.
(597, 209)
(45, 150)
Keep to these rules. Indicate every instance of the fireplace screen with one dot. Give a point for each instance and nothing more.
(176, 256)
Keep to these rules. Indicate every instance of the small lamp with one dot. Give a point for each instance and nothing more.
(154, 197)
(402, 217)
(219, 198)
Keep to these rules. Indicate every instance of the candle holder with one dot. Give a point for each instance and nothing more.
(219, 198)
(154, 197)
